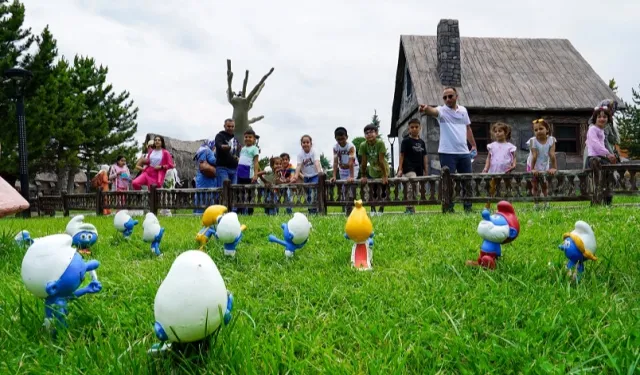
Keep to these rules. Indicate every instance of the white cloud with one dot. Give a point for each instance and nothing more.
(334, 61)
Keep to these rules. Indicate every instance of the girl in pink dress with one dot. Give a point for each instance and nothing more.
(502, 154)
(157, 162)
(120, 177)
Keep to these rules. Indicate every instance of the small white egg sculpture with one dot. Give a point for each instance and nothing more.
(151, 227)
(300, 227)
(228, 228)
(191, 301)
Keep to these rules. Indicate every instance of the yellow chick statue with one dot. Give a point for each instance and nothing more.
(209, 220)
(359, 229)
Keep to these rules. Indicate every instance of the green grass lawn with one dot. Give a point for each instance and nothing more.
(420, 311)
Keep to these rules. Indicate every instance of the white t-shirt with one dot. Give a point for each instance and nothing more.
(155, 158)
(453, 130)
(307, 161)
(342, 153)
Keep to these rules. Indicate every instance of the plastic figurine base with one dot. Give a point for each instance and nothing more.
(579, 246)
(84, 235)
(496, 230)
(124, 223)
(296, 234)
(23, 239)
(210, 218)
(359, 229)
(152, 232)
(53, 270)
(191, 303)
(229, 231)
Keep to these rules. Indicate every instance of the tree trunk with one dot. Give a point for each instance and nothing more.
(71, 181)
(61, 178)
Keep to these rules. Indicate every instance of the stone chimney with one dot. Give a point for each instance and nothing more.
(449, 64)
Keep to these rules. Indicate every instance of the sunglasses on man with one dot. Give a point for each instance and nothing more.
(450, 96)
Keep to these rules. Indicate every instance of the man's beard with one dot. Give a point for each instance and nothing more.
(493, 233)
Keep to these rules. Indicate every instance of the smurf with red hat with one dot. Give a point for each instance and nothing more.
(496, 230)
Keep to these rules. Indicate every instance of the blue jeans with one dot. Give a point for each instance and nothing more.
(271, 196)
(458, 163)
(311, 180)
(230, 174)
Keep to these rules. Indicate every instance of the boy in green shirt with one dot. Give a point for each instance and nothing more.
(374, 151)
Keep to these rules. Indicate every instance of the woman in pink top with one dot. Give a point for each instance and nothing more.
(157, 162)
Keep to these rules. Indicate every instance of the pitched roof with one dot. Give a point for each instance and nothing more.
(505, 73)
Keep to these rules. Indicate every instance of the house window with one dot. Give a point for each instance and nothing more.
(408, 83)
(482, 135)
(568, 138)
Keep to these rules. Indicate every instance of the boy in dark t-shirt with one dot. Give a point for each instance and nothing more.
(413, 157)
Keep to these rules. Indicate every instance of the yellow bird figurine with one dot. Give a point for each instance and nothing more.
(359, 229)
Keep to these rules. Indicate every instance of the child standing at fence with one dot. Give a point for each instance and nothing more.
(501, 156)
(596, 148)
(285, 176)
(270, 177)
(120, 178)
(345, 164)
(248, 166)
(413, 158)
(374, 153)
(308, 167)
(542, 156)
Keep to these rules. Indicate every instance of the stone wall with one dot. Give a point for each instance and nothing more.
(449, 68)
(521, 131)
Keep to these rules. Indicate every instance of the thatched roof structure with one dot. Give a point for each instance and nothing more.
(183, 153)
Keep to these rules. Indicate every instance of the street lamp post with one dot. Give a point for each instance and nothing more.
(392, 140)
(20, 76)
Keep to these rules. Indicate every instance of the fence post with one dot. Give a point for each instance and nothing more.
(446, 185)
(321, 186)
(226, 195)
(65, 204)
(596, 178)
(153, 199)
(99, 202)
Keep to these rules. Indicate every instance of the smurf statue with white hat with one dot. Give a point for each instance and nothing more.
(192, 301)
(296, 234)
(579, 246)
(53, 270)
(229, 232)
(124, 223)
(84, 234)
(152, 232)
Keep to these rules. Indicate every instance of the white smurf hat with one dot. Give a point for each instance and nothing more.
(584, 239)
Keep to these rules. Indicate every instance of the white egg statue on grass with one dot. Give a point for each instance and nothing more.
(152, 232)
(124, 223)
(53, 270)
(229, 232)
(296, 234)
(192, 301)
(84, 234)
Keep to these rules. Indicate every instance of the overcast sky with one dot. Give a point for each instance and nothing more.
(335, 61)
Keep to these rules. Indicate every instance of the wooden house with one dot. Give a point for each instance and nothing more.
(512, 80)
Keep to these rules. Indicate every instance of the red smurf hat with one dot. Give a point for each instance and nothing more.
(506, 210)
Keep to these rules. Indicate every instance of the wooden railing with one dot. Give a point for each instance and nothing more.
(594, 184)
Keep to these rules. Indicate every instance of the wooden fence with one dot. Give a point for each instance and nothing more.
(594, 184)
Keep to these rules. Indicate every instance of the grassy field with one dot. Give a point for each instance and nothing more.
(420, 311)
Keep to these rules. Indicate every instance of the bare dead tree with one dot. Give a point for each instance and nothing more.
(242, 102)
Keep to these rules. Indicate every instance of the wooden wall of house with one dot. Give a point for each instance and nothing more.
(569, 129)
(409, 100)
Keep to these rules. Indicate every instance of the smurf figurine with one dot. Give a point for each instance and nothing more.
(53, 270)
(496, 230)
(229, 231)
(359, 229)
(579, 246)
(192, 301)
(152, 232)
(124, 223)
(84, 234)
(296, 234)
(210, 218)
(23, 238)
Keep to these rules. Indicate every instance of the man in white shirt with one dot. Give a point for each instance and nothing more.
(455, 132)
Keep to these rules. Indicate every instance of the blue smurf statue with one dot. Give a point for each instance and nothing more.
(124, 223)
(296, 234)
(229, 232)
(53, 270)
(152, 232)
(23, 238)
(579, 246)
(84, 235)
(496, 230)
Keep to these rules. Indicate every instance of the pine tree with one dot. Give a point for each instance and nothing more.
(629, 125)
